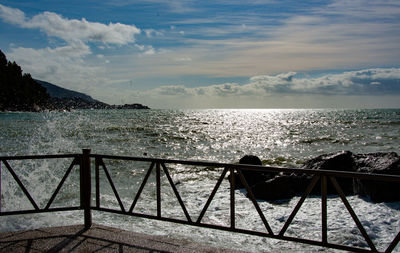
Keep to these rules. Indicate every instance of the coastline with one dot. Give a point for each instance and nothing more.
(68, 104)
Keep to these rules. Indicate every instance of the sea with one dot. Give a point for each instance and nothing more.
(279, 137)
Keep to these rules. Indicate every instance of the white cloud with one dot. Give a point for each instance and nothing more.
(287, 90)
(273, 80)
(362, 82)
(140, 47)
(11, 15)
(150, 51)
(63, 66)
(174, 90)
(72, 29)
(147, 49)
(226, 89)
(151, 33)
(68, 65)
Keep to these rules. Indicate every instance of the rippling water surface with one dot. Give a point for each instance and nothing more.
(278, 137)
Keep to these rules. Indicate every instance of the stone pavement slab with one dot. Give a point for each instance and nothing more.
(98, 238)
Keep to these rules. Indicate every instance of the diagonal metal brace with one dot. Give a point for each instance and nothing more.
(176, 192)
(353, 214)
(112, 185)
(141, 187)
(21, 185)
(253, 199)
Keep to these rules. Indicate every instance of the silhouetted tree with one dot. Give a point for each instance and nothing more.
(19, 92)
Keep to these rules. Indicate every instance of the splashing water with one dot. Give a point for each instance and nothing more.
(278, 137)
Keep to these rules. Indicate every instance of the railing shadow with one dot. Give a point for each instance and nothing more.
(76, 239)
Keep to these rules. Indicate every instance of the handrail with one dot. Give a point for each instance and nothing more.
(29, 157)
(335, 173)
(160, 166)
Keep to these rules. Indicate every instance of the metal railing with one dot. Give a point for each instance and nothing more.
(76, 161)
(85, 160)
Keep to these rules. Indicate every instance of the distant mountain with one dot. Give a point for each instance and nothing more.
(65, 99)
(57, 92)
(20, 92)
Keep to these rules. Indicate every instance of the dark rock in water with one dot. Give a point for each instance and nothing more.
(280, 187)
(250, 159)
(342, 161)
(252, 177)
(378, 163)
(287, 186)
(130, 106)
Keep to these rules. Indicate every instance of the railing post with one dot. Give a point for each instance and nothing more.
(0, 185)
(324, 210)
(232, 194)
(86, 187)
(158, 175)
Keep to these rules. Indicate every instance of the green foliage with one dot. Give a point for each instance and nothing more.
(19, 92)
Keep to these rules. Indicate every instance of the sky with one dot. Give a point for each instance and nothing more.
(211, 54)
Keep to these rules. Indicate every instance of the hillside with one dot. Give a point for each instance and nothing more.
(20, 92)
(57, 92)
(65, 99)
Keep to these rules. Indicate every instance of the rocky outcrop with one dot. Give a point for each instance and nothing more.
(342, 161)
(281, 187)
(252, 177)
(378, 163)
(130, 106)
(289, 185)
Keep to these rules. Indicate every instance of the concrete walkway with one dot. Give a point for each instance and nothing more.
(97, 239)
